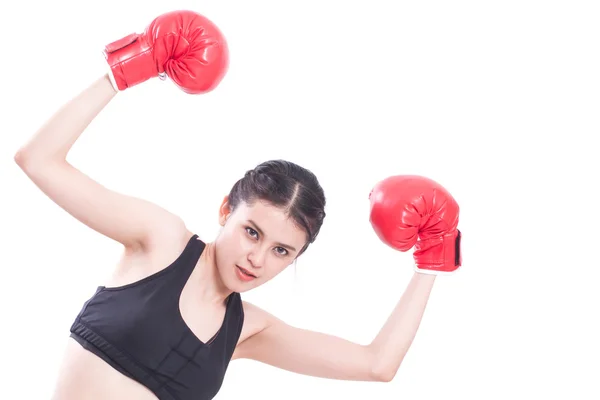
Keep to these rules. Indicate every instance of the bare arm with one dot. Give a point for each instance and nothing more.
(318, 354)
(55, 138)
(126, 219)
(274, 342)
(397, 334)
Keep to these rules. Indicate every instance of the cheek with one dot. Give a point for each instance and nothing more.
(277, 266)
(233, 244)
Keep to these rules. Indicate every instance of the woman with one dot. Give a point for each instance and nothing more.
(171, 319)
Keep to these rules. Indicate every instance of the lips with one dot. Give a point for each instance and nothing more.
(246, 272)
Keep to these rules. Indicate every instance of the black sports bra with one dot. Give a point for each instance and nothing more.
(138, 329)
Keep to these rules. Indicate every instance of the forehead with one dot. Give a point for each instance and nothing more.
(274, 222)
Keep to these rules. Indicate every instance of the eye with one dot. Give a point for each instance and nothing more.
(281, 251)
(252, 232)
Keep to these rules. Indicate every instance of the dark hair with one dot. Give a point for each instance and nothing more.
(286, 185)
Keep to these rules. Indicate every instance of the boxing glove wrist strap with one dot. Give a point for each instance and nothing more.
(439, 255)
(131, 61)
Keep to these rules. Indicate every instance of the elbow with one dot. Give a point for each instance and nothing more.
(26, 163)
(384, 375)
(381, 372)
(382, 367)
(23, 159)
(29, 162)
(19, 158)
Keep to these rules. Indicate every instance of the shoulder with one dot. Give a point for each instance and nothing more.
(163, 244)
(256, 320)
(168, 232)
(172, 240)
(260, 332)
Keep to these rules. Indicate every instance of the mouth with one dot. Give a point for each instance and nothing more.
(245, 272)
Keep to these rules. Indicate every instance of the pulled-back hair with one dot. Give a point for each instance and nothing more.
(288, 186)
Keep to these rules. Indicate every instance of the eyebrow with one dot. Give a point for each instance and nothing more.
(260, 231)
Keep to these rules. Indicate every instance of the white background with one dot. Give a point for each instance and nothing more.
(498, 101)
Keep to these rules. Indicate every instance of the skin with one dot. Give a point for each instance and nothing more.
(259, 238)
(153, 237)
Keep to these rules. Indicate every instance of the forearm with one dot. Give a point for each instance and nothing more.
(56, 137)
(397, 334)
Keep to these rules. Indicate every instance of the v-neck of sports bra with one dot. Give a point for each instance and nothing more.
(190, 332)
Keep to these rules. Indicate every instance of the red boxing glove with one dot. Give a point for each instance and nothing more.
(183, 45)
(409, 210)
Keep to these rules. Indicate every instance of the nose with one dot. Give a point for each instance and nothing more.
(257, 256)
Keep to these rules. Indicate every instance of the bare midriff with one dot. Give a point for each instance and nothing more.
(85, 376)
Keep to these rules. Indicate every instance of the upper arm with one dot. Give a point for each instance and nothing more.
(272, 341)
(125, 219)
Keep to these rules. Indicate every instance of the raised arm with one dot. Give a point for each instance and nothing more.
(406, 212)
(322, 355)
(181, 45)
(126, 219)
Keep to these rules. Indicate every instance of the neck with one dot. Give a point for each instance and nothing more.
(211, 289)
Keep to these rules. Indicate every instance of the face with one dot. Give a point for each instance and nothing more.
(258, 239)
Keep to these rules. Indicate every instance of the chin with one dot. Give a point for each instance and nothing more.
(239, 287)
(243, 288)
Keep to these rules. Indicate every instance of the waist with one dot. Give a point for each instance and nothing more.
(84, 376)
(120, 362)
